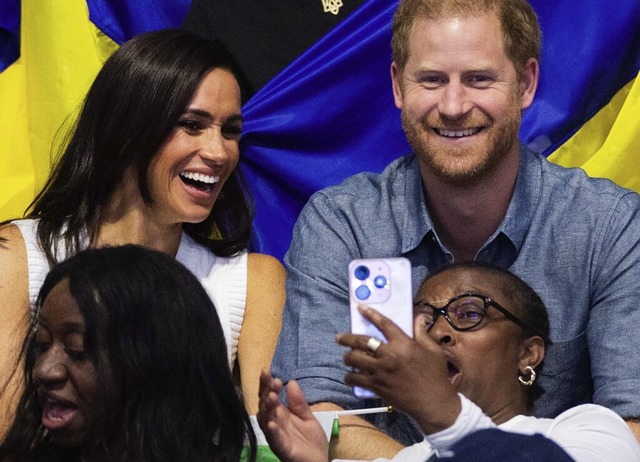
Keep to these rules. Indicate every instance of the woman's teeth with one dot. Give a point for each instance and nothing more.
(208, 179)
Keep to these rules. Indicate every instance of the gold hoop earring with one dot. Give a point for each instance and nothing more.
(532, 377)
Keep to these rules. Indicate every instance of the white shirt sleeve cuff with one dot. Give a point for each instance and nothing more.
(470, 419)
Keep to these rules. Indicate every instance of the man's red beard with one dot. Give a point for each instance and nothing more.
(460, 165)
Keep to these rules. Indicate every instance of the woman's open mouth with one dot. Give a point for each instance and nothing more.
(199, 181)
(454, 373)
(57, 414)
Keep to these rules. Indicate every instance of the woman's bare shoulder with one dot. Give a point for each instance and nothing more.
(263, 271)
(14, 310)
(265, 282)
(11, 242)
(14, 284)
(263, 262)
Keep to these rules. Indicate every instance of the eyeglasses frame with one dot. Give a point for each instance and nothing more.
(488, 301)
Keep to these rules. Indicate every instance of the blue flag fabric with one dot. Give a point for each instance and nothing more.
(590, 50)
(327, 116)
(124, 19)
(9, 32)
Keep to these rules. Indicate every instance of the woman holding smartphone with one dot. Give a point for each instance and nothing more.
(480, 338)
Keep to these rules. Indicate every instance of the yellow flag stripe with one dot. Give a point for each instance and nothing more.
(41, 91)
(16, 167)
(608, 145)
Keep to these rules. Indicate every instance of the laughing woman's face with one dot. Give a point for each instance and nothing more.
(186, 176)
(63, 373)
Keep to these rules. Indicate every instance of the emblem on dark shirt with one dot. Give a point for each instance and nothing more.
(331, 6)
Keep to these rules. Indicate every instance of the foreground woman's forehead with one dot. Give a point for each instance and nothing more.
(466, 279)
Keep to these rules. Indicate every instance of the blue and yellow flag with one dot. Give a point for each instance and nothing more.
(328, 114)
(50, 52)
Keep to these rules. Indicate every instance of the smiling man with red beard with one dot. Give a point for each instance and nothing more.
(462, 73)
(461, 115)
(462, 121)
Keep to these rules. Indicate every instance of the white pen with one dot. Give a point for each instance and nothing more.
(370, 410)
(335, 428)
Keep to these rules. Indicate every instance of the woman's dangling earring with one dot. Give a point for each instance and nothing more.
(532, 377)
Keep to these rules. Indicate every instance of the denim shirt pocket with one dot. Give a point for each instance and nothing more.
(566, 376)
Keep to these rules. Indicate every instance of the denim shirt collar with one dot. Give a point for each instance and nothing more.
(526, 196)
(417, 222)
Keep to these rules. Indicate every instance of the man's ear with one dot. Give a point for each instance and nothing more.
(529, 82)
(531, 353)
(396, 77)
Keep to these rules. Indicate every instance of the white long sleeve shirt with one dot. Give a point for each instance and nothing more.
(588, 433)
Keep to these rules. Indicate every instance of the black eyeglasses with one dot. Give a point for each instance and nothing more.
(463, 312)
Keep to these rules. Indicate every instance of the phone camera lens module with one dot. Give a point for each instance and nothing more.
(361, 272)
(380, 282)
(363, 292)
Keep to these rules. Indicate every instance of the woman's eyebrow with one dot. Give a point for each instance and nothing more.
(68, 326)
(71, 326)
(207, 115)
(199, 112)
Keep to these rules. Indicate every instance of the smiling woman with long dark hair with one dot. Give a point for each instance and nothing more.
(152, 160)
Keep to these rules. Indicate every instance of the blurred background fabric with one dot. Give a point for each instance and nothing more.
(322, 110)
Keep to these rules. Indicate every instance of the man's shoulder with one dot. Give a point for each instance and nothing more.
(368, 184)
(570, 200)
(573, 189)
(577, 179)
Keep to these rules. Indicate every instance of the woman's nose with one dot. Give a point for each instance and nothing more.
(442, 332)
(214, 148)
(50, 367)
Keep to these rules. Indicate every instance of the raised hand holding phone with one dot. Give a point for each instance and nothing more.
(383, 284)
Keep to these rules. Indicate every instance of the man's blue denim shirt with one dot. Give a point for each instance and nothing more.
(574, 239)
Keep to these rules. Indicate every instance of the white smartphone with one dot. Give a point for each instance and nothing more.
(383, 284)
